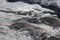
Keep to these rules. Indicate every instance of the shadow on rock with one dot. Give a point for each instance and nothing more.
(28, 19)
(53, 38)
(36, 32)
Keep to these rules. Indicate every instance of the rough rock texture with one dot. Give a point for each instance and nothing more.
(51, 4)
(22, 21)
(42, 2)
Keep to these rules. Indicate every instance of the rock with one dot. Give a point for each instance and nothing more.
(41, 2)
(46, 15)
(36, 32)
(53, 38)
(43, 30)
(20, 10)
(21, 21)
(51, 21)
(28, 19)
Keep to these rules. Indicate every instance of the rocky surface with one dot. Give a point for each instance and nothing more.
(42, 2)
(23, 21)
(51, 4)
